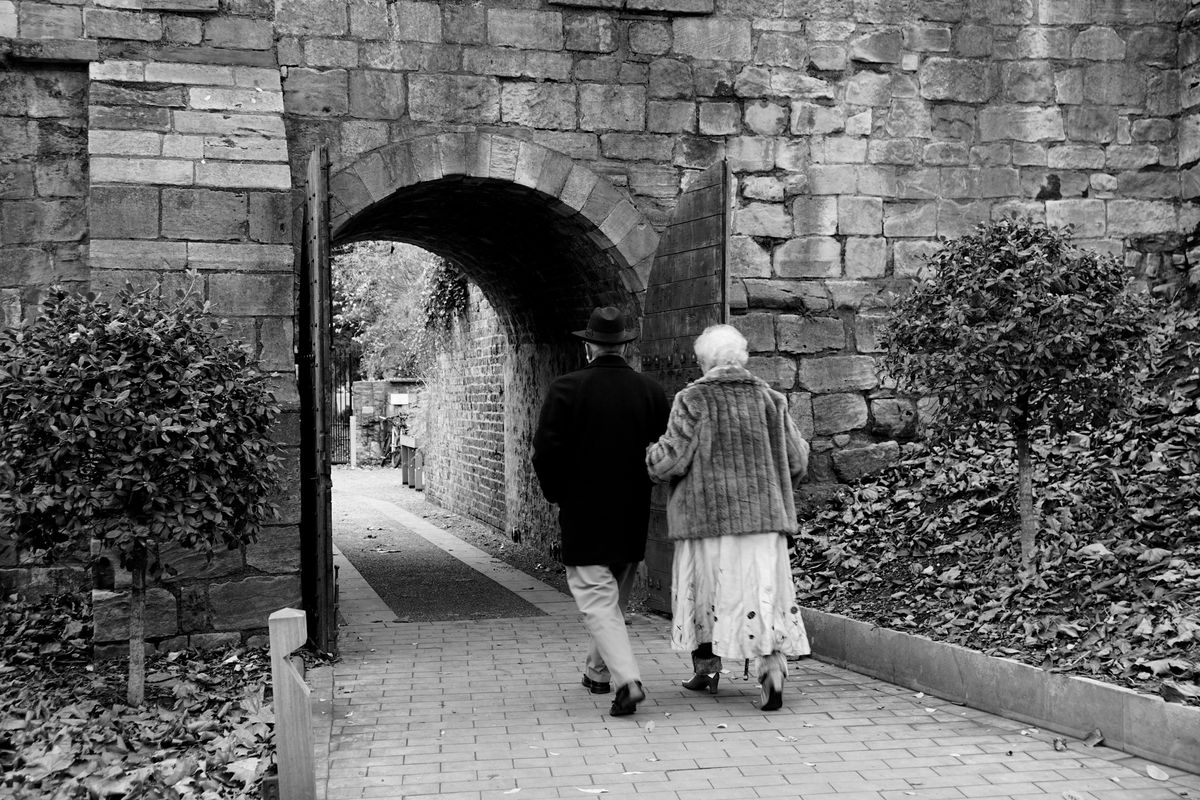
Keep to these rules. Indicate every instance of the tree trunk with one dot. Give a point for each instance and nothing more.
(1029, 522)
(136, 692)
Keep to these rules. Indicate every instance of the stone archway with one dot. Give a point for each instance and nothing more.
(545, 239)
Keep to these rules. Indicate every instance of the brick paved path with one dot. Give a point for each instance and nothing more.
(494, 709)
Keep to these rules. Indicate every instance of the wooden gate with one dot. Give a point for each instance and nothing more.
(314, 360)
(685, 294)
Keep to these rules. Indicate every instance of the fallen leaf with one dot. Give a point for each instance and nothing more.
(1157, 773)
(722, 725)
(919, 695)
(650, 726)
(1069, 795)
(633, 772)
(1174, 692)
(1059, 744)
(513, 791)
(1094, 738)
(592, 791)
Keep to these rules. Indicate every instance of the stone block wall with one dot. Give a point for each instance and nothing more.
(145, 139)
(43, 181)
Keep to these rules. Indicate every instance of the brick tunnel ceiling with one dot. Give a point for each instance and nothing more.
(537, 267)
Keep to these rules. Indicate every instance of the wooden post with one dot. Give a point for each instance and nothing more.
(353, 441)
(418, 470)
(293, 715)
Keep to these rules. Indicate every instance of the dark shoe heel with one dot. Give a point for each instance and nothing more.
(627, 699)
(701, 682)
(771, 693)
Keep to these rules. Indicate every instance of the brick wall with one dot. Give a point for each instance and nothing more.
(462, 430)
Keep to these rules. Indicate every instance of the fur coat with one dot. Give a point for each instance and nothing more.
(732, 454)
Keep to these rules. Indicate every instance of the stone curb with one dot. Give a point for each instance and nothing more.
(1135, 723)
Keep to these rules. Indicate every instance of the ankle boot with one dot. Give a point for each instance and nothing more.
(707, 675)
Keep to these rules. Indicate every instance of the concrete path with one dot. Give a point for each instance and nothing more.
(468, 710)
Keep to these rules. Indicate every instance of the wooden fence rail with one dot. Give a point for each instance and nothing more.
(293, 714)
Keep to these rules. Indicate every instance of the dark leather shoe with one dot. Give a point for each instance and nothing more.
(597, 687)
(627, 699)
(700, 682)
(771, 692)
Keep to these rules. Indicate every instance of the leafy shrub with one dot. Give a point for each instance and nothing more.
(926, 545)
(137, 424)
(1015, 333)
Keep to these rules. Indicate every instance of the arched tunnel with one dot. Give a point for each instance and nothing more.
(540, 252)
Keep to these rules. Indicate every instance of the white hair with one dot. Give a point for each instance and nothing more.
(722, 345)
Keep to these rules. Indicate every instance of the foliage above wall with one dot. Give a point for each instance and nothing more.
(390, 300)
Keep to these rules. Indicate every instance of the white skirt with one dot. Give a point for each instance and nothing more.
(736, 592)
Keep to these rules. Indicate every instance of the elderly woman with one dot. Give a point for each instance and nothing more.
(732, 455)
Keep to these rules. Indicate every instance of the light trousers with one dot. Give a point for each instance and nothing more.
(601, 592)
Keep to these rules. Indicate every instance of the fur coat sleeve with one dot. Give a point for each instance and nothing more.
(733, 455)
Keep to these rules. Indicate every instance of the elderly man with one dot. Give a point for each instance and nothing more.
(589, 455)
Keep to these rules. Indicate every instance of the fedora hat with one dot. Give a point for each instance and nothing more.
(606, 326)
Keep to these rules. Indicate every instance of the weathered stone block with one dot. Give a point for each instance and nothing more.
(107, 24)
(866, 332)
(787, 295)
(244, 604)
(454, 98)
(316, 93)
(910, 219)
(766, 118)
(1098, 43)
(46, 21)
(1128, 218)
(759, 330)
(8, 19)
(539, 105)
(809, 257)
(751, 153)
(837, 413)
(910, 258)
(591, 33)
(277, 550)
(123, 211)
(815, 215)
(528, 30)
(781, 49)
(416, 22)
(762, 187)
(238, 32)
(962, 80)
(712, 38)
(636, 146)
(779, 372)
(869, 89)
(650, 38)
(1023, 124)
(763, 219)
(809, 334)
(671, 116)
(853, 464)
(720, 119)
(110, 614)
(203, 214)
(632, 72)
(242, 175)
(464, 24)
(141, 170)
(866, 257)
(250, 295)
(608, 107)
(860, 215)
(654, 180)
(670, 78)
(881, 47)
(840, 150)
(837, 374)
(813, 119)
(1113, 84)
(330, 53)
(828, 57)
(748, 259)
(894, 418)
(526, 64)
(1092, 124)
(1075, 157)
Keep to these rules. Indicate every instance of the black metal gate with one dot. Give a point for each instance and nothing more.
(344, 367)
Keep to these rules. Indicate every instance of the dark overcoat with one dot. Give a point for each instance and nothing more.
(589, 454)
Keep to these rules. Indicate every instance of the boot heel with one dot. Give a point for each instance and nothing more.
(713, 681)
